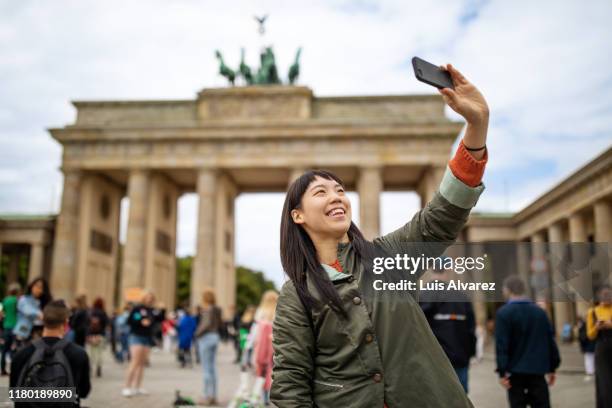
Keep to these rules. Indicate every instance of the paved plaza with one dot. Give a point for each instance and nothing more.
(164, 377)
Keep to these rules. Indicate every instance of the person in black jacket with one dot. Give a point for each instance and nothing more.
(79, 320)
(525, 347)
(96, 336)
(451, 317)
(142, 320)
(55, 317)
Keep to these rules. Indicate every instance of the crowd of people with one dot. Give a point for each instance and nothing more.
(527, 355)
(198, 332)
(77, 336)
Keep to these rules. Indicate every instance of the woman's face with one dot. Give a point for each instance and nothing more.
(148, 299)
(37, 289)
(325, 209)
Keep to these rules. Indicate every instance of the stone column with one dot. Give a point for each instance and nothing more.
(12, 274)
(160, 248)
(203, 270)
(224, 269)
(602, 212)
(479, 299)
(37, 253)
(582, 283)
(134, 250)
(560, 292)
(429, 183)
(603, 221)
(539, 278)
(522, 251)
(369, 187)
(63, 270)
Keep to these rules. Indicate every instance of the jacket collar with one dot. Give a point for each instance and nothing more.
(333, 274)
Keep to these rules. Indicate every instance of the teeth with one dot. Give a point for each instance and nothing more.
(336, 211)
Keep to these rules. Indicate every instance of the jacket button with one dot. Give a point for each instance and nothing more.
(357, 300)
(369, 338)
(377, 377)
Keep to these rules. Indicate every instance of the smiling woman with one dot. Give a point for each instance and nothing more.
(335, 347)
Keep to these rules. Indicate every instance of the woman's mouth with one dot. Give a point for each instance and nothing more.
(337, 213)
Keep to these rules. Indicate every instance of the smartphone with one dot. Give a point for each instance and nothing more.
(431, 74)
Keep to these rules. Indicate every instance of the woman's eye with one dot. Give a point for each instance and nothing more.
(319, 192)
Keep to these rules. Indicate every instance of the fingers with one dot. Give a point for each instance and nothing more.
(456, 75)
(449, 96)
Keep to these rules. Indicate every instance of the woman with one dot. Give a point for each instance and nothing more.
(79, 320)
(335, 347)
(141, 321)
(29, 311)
(263, 347)
(599, 328)
(122, 331)
(98, 323)
(208, 337)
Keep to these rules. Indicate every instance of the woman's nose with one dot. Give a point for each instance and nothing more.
(336, 197)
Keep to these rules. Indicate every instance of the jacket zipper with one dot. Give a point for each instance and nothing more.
(329, 384)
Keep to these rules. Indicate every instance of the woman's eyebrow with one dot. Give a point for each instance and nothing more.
(316, 186)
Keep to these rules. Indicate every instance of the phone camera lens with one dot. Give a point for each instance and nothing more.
(419, 71)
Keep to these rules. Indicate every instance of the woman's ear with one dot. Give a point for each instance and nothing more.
(297, 216)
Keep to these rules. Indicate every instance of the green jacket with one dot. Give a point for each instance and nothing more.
(385, 351)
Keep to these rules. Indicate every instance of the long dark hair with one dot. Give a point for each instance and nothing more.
(45, 297)
(298, 253)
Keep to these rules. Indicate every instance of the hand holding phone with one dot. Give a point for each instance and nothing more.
(431, 74)
(458, 93)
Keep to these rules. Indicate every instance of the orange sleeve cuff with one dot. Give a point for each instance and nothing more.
(466, 168)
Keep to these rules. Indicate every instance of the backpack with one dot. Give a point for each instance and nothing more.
(47, 367)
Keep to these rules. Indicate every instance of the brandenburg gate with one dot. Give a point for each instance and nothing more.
(224, 142)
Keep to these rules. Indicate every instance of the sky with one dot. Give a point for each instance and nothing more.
(544, 68)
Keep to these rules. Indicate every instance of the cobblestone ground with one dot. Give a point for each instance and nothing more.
(164, 377)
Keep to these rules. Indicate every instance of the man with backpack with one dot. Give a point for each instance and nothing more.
(52, 361)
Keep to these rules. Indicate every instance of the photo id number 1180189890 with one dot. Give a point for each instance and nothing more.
(42, 395)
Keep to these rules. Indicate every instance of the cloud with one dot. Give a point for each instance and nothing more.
(540, 66)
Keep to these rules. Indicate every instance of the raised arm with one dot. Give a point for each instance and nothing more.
(461, 186)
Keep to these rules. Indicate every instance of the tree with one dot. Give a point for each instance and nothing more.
(250, 286)
(183, 279)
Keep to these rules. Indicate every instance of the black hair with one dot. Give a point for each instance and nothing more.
(46, 294)
(298, 253)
